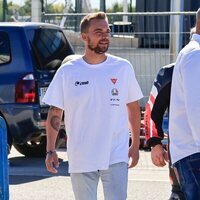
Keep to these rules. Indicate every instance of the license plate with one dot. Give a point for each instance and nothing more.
(42, 93)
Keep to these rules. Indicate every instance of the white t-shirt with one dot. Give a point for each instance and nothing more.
(184, 119)
(94, 99)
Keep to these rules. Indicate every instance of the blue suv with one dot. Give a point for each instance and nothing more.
(30, 54)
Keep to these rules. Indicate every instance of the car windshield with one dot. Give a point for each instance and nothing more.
(49, 47)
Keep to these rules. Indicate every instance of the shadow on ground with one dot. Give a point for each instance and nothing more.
(24, 170)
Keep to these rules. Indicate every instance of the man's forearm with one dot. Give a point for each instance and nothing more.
(53, 126)
(134, 122)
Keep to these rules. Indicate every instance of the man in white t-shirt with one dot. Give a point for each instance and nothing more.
(99, 95)
(184, 126)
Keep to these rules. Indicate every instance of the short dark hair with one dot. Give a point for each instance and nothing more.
(85, 22)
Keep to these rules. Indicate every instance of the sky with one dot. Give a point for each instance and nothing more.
(94, 3)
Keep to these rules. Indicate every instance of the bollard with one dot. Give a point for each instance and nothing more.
(4, 185)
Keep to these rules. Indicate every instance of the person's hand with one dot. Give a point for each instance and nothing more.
(159, 156)
(133, 155)
(52, 162)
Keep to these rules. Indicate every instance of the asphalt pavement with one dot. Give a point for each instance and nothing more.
(29, 180)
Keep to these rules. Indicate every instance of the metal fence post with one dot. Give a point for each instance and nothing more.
(4, 185)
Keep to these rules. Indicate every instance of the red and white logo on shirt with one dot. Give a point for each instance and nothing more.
(114, 80)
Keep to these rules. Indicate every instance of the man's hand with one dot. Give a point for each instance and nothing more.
(159, 156)
(133, 154)
(52, 162)
(134, 118)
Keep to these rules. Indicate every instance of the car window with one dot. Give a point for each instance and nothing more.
(49, 47)
(5, 55)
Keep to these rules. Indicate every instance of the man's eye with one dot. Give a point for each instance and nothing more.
(98, 33)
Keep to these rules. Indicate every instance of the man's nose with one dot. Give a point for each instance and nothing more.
(106, 35)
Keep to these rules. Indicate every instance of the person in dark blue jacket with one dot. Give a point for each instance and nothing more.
(155, 111)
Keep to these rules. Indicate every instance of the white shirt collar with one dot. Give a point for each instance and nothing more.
(196, 37)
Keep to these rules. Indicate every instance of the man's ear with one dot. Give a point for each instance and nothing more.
(84, 36)
(198, 21)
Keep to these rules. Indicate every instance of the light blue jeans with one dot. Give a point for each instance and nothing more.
(188, 173)
(114, 181)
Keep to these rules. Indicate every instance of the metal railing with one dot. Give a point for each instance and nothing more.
(142, 38)
(4, 185)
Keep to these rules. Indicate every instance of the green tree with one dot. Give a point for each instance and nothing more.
(15, 9)
(117, 7)
(25, 10)
(12, 9)
(55, 8)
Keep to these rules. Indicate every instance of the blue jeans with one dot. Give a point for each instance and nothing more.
(114, 182)
(188, 174)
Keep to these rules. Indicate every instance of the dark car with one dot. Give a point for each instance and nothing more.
(30, 54)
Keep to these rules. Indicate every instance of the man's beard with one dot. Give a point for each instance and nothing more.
(98, 49)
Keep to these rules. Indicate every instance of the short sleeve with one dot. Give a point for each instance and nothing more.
(134, 90)
(54, 94)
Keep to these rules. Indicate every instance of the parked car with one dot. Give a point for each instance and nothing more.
(30, 54)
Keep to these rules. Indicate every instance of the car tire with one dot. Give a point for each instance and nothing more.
(37, 148)
(32, 148)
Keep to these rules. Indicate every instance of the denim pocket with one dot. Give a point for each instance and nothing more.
(194, 164)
